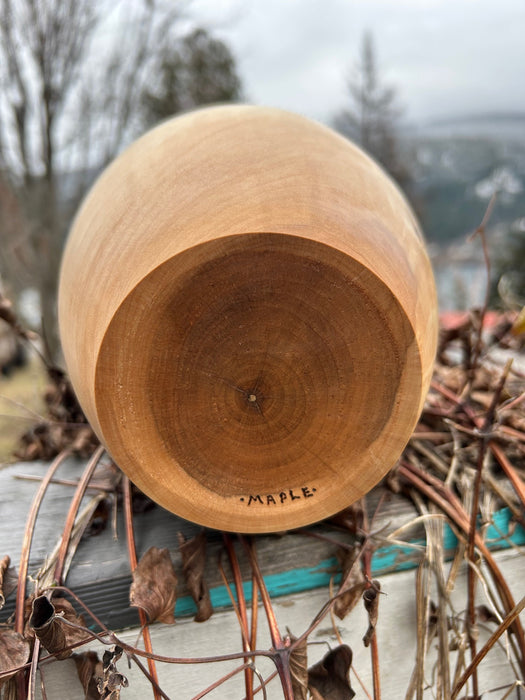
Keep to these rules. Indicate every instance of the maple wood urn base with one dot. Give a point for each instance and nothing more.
(249, 318)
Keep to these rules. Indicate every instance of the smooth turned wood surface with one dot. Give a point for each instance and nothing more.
(248, 316)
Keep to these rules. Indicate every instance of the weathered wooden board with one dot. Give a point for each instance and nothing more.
(100, 573)
(220, 634)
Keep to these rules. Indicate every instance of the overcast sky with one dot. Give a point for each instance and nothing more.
(444, 57)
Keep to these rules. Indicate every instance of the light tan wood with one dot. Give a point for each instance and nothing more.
(248, 316)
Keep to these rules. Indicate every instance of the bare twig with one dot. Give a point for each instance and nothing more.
(282, 648)
(480, 231)
(128, 515)
(507, 622)
(439, 494)
(28, 537)
(229, 675)
(367, 568)
(242, 612)
(73, 510)
(26, 549)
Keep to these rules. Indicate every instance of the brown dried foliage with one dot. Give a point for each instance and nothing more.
(67, 426)
(8, 579)
(353, 581)
(112, 681)
(8, 315)
(371, 602)
(154, 586)
(49, 628)
(193, 553)
(90, 671)
(467, 458)
(14, 652)
(473, 400)
(299, 669)
(47, 624)
(329, 678)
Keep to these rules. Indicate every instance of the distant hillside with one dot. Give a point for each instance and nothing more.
(459, 163)
(487, 123)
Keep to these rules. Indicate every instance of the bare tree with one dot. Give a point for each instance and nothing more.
(70, 82)
(41, 44)
(371, 119)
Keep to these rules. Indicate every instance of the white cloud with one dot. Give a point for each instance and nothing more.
(444, 56)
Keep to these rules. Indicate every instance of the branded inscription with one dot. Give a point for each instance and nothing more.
(275, 499)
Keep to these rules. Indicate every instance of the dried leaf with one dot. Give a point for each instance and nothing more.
(154, 586)
(90, 672)
(485, 614)
(9, 316)
(46, 623)
(315, 695)
(107, 476)
(329, 678)
(99, 519)
(6, 312)
(519, 324)
(141, 502)
(48, 628)
(14, 652)
(350, 518)
(299, 670)
(111, 683)
(392, 481)
(67, 429)
(193, 553)
(8, 579)
(371, 601)
(64, 609)
(353, 582)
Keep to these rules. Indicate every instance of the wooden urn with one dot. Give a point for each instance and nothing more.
(249, 319)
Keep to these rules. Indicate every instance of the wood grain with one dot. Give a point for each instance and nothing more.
(249, 318)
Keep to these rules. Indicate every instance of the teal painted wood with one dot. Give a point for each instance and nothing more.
(385, 560)
(497, 536)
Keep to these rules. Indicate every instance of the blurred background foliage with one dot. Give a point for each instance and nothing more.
(80, 79)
